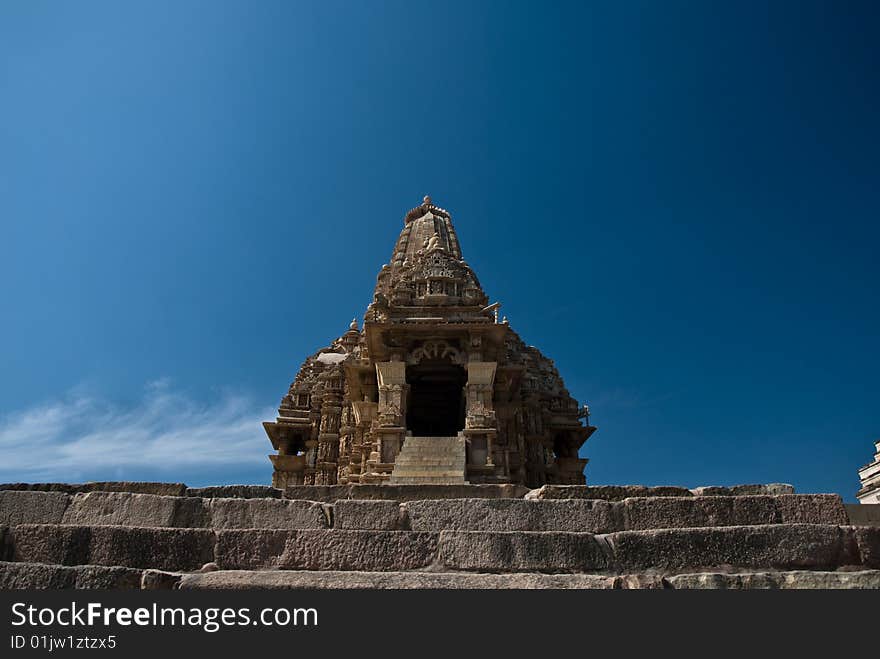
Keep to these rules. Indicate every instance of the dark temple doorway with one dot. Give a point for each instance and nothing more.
(436, 405)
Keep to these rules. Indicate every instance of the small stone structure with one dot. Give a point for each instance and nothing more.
(434, 379)
(869, 475)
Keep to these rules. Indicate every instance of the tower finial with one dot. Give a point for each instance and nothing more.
(427, 200)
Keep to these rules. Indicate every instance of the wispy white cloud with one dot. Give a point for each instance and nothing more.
(165, 433)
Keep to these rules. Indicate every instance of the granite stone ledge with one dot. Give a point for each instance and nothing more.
(779, 546)
(32, 507)
(640, 514)
(137, 487)
(331, 493)
(41, 576)
(516, 551)
(266, 513)
(571, 515)
(134, 509)
(366, 514)
(605, 492)
(796, 579)
(333, 580)
(335, 549)
(235, 491)
(169, 549)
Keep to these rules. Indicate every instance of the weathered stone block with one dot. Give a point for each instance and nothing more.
(51, 543)
(325, 550)
(32, 507)
(137, 487)
(593, 516)
(711, 491)
(743, 490)
(164, 489)
(701, 511)
(797, 579)
(867, 539)
(605, 492)
(159, 548)
(159, 580)
(27, 576)
(755, 510)
(286, 579)
(128, 509)
(331, 493)
(644, 513)
(809, 509)
(266, 514)
(650, 581)
(863, 514)
(789, 546)
(366, 514)
(769, 488)
(866, 579)
(518, 551)
(235, 491)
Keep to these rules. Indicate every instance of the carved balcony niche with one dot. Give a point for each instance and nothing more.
(433, 388)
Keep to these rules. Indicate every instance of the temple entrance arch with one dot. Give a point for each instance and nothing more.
(436, 404)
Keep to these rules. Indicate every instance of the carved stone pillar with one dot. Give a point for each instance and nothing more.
(390, 418)
(481, 426)
(363, 413)
(480, 390)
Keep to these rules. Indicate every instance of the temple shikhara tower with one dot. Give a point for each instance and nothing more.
(433, 388)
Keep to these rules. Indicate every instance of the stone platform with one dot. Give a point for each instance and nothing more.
(138, 535)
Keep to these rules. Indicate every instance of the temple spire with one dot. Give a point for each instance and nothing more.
(419, 226)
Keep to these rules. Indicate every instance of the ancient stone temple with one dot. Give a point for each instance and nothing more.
(433, 389)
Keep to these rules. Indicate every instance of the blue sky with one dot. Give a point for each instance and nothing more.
(676, 201)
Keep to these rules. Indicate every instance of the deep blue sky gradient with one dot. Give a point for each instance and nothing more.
(676, 201)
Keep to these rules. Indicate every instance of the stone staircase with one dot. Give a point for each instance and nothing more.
(430, 460)
(153, 536)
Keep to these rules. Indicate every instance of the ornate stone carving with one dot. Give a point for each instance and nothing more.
(435, 350)
(345, 415)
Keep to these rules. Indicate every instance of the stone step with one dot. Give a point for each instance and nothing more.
(126, 546)
(593, 516)
(620, 492)
(774, 546)
(779, 547)
(386, 491)
(430, 460)
(440, 447)
(430, 470)
(150, 510)
(305, 580)
(28, 576)
(330, 493)
(793, 580)
(502, 514)
(428, 480)
(31, 576)
(427, 462)
(404, 458)
(413, 440)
